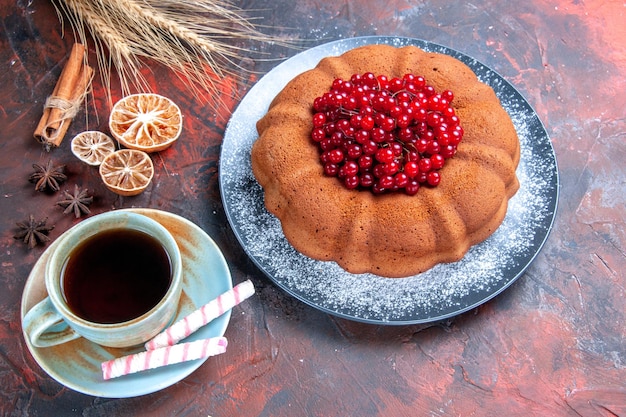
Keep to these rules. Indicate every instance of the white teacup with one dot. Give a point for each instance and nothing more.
(108, 303)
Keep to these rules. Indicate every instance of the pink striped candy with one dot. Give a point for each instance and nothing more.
(202, 316)
(163, 356)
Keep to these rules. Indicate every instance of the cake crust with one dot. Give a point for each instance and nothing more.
(391, 235)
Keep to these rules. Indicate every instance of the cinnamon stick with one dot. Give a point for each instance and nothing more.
(61, 107)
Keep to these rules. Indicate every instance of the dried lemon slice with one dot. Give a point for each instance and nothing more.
(92, 146)
(127, 171)
(146, 121)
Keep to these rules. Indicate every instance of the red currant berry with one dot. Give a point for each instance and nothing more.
(405, 134)
(455, 137)
(348, 169)
(379, 103)
(437, 161)
(351, 182)
(429, 90)
(390, 103)
(425, 165)
(365, 162)
(459, 130)
(434, 119)
(388, 124)
(335, 156)
(369, 147)
(350, 103)
(355, 121)
(422, 145)
(363, 101)
(384, 155)
(448, 95)
(347, 87)
(428, 135)
(396, 111)
(390, 168)
(319, 104)
(386, 182)
(404, 120)
(354, 151)
(369, 80)
(397, 149)
(396, 84)
(377, 188)
(367, 122)
(443, 138)
(383, 82)
(331, 169)
(433, 178)
(336, 100)
(412, 187)
(318, 134)
(453, 120)
(403, 97)
(319, 119)
(378, 170)
(420, 82)
(401, 180)
(326, 144)
(448, 151)
(411, 169)
(434, 103)
(448, 112)
(378, 135)
(343, 125)
(412, 156)
(433, 147)
(361, 136)
(337, 138)
(366, 180)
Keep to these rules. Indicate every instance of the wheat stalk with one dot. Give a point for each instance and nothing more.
(195, 39)
(107, 43)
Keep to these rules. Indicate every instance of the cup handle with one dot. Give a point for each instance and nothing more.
(45, 327)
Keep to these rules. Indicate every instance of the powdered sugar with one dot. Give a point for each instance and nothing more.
(443, 291)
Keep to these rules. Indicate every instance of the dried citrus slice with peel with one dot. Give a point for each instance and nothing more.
(127, 171)
(146, 121)
(92, 146)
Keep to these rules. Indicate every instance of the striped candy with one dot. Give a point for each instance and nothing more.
(163, 356)
(202, 316)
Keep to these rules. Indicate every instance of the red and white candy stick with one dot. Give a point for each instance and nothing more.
(202, 316)
(164, 356)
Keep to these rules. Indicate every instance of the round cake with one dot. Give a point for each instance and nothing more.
(388, 234)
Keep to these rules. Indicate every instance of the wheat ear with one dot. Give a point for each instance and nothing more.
(107, 42)
(195, 39)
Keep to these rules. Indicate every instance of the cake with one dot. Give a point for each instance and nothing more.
(390, 234)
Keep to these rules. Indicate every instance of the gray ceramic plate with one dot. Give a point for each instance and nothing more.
(76, 364)
(442, 292)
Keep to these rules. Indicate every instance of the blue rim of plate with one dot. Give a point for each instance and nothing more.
(440, 293)
(77, 364)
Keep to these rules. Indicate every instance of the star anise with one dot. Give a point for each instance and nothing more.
(77, 202)
(47, 177)
(33, 232)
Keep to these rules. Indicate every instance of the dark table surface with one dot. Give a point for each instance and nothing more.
(553, 344)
